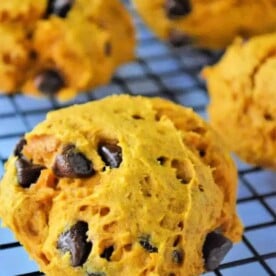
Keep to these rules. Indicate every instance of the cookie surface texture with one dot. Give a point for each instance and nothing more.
(142, 190)
(60, 47)
(243, 99)
(212, 24)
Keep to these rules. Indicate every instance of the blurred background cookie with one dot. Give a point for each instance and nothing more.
(243, 99)
(60, 47)
(212, 24)
(144, 187)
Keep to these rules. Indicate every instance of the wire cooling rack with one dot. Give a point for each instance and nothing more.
(164, 72)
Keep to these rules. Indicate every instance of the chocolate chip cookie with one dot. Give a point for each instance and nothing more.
(243, 99)
(60, 47)
(211, 24)
(143, 188)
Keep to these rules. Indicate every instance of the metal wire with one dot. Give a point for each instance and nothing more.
(164, 72)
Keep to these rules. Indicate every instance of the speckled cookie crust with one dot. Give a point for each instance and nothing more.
(243, 99)
(212, 24)
(143, 188)
(60, 47)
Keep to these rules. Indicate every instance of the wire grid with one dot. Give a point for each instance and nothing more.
(164, 72)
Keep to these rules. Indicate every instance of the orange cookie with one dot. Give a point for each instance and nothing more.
(212, 24)
(243, 99)
(143, 188)
(60, 47)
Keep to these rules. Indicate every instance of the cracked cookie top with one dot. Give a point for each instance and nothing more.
(143, 188)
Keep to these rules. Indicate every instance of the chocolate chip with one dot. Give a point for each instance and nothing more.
(72, 163)
(19, 147)
(59, 7)
(178, 256)
(111, 154)
(179, 39)
(177, 8)
(268, 117)
(27, 173)
(202, 153)
(33, 55)
(75, 241)
(108, 48)
(49, 82)
(215, 248)
(145, 243)
(161, 160)
(107, 253)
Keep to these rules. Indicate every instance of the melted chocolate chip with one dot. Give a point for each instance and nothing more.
(96, 274)
(75, 241)
(107, 253)
(59, 7)
(111, 154)
(27, 173)
(177, 8)
(49, 82)
(19, 147)
(145, 243)
(177, 256)
(215, 248)
(72, 163)
(179, 39)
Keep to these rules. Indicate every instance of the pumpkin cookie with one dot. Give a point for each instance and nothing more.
(243, 99)
(143, 188)
(212, 24)
(59, 47)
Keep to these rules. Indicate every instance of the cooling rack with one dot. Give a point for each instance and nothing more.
(164, 72)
